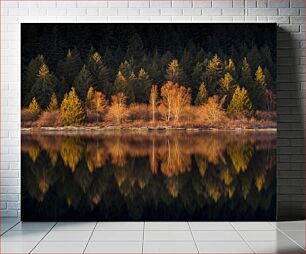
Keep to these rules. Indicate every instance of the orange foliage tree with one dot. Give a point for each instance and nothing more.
(118, 109)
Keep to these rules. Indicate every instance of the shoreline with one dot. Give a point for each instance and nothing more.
(144, 128)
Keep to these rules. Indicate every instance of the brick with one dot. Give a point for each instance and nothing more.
(108, 12)
(202, 3)
(139, 4)
(92, 11)
(211, 12)
(278, 20)
(262, 12)
(192, 11)
(172, 12)
(76, 12)
(233, 12)
(222, 19)
(262, 3)
(250, 3)
(297, 20)
(160, 3)
(182, 3)
(222, 3)
(66, 4)
(181, 18)
(278, 3)
(150, 12)
(18, 12)
(297, 3)
(128, 11)
(118, 4)
(238, 3)
(92, 4)
(289, 11)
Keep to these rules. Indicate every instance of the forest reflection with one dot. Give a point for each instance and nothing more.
(149, 175)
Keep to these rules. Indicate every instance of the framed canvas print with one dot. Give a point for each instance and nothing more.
(159, 122)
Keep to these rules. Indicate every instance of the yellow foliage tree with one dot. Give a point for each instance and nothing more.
(89, 98)
(153, 100)
(72, 111)
(53, 105)
(34, 107)
(99, 103)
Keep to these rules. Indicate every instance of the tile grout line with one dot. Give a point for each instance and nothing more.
(10, 228)
(42, 238)
(143, 231)
(247, 243)
(90, 237)
(193, 237)
(290, 238)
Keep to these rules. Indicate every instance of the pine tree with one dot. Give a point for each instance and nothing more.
(72, 111)
(83, 82)
(123, 85)
(260, 89)
(67, 70)
(241, 104)
(246, 79)
(89, 98)
(201, 96)
(34, 107)
(44, 86)
(213, 74)
(142, 87)
(173, 71)
(230, 67)
(135, 50)
(53, 104)
(100, 73)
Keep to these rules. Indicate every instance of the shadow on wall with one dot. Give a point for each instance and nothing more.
(291, 150)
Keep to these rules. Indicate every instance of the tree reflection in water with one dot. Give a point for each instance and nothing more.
(175, 175)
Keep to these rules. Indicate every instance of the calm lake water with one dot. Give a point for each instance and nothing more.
(130, 175)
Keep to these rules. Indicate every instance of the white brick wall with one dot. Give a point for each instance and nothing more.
(290, 14)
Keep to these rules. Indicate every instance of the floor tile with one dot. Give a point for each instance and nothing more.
(291, 225)
(216, 236)
(253, 226)
(166, 226)
(33, 226)
(274, 235)
(167, 235)
(169, 247)
(98, 236)
(114, 247)
(63, 226)
(276, 247)
(60, 247)
(23, 236)
(70, 236)
(211, 226)
(223, 247)
(17, 247)
(120, 226)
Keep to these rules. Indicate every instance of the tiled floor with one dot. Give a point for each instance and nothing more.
(152, 237)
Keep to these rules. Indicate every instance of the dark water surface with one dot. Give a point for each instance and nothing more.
(129, 175)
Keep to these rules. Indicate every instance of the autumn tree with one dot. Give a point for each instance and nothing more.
(175, 98)
(260, 87)
(227, 87)
(201, 95)
(34, 107)
(153, 101)
(241, 104)
(44, 86)
(83, 82)
(99, 103)
(71, 110)
(173, 72)
(89, 98)
(53, 104)
(118, 109)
